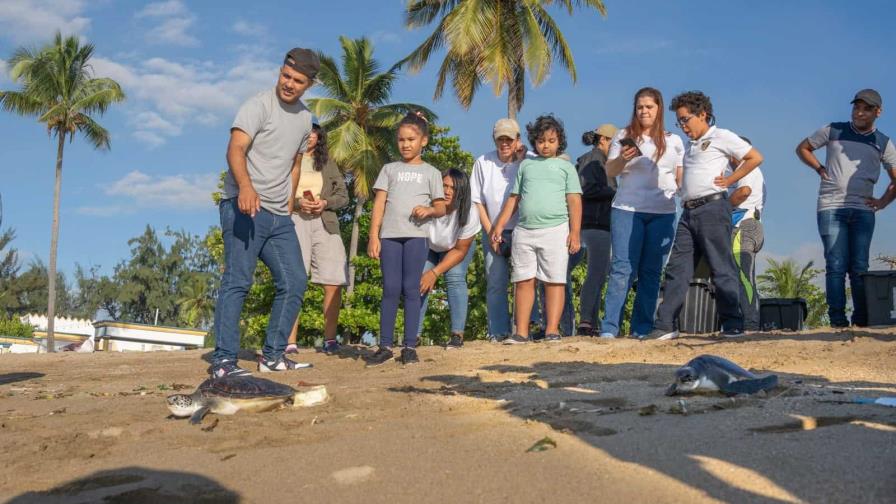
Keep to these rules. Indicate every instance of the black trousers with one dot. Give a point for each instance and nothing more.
(702, 232)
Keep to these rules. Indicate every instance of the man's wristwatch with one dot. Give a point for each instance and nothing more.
(820, 167)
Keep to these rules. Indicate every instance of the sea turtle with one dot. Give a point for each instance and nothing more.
(710, 373)
(227, 395)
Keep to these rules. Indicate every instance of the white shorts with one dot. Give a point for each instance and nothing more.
(540, 253)
(323, 253)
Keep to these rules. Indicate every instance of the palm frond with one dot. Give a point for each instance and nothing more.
(93, 132)
(422, 12)
(21, 103)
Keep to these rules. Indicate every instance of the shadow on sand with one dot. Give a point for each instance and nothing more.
(8, 378)
(135, 485)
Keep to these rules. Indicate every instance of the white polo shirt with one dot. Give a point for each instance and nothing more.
(646, 185)
(706, 158)
(445, 231)
(756, 182)
(490, 184)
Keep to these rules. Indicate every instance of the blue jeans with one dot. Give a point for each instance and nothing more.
(497, 278)
(456, 287)
(641, 242)
(846, 235)
(271, 238)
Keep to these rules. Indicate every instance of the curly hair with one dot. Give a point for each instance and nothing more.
(321, 153)
(696, 102)
(417, 120)
(543, 124)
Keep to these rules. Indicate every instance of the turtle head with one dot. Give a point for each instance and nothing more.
(182, 405)
(686, 379)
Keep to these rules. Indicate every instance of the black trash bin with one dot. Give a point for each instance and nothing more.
(698, 314)
(786, 314)
(880, 294)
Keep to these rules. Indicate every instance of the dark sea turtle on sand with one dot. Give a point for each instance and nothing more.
(710, 373)
(227, 395)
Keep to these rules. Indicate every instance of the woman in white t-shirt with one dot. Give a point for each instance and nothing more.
(450, 251)
(648, 161)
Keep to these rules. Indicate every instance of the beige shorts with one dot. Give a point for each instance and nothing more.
(540, 253)
(323, 253)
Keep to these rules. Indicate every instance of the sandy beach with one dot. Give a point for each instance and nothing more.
(459, 426)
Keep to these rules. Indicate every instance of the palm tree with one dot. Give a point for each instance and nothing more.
(360, 123)
(59, 88)
(196, 302)
(786, 279)
(493, 41)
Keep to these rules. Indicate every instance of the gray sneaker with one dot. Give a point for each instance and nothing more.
(516, 339)
(281, 364)
(553, 338)
(663, 335)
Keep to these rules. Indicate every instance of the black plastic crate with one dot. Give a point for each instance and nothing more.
(786, 314)
(698, 314)
(880, 294)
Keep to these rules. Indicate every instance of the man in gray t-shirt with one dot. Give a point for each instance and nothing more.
(855, 153)
(264, 155)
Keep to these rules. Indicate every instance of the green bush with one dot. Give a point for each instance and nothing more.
(15, 327)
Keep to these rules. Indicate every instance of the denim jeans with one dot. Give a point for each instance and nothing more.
(596, 243)
(497, 278)
(271, 238)
(640, 243)
(456, 287)
(846, 235)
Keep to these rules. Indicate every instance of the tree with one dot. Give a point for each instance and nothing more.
(59, 88)
(197, 306)
(492, 41)
(9, 268)
(360, 122)
(786, 279)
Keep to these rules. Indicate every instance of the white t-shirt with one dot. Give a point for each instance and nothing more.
(707, 158)
(445, 231)
(756, 182)
(645, 185)
(491, 183)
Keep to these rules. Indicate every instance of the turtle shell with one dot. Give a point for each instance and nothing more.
(244, 387)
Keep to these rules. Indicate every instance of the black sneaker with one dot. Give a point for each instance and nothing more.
(281, 364)
(516, 339)
(382, 356)
(408, 356)
(227, 367)
(331, 347)
(584, 329)
(732, 333)
(553, 338)
(455, 343)
(662, 334)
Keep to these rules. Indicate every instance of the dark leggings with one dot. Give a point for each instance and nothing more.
(401, 261)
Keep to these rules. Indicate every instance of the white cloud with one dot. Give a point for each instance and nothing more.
(248, 29)
(385, 37)
(167, 192)
(149, 138)
(30, 21)
(173, 22)
(163, 9)
(104, 211)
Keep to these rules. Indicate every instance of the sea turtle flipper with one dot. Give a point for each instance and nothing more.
(751, 386)
(671, 390)
(198, 415)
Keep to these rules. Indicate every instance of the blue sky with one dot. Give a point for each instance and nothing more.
(776, 71)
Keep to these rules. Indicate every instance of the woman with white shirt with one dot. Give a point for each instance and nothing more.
(647, 159)
(450, 251)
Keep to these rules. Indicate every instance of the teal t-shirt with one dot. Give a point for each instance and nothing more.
(542, 184)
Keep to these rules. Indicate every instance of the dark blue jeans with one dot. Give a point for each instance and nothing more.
(401, 261)
(456, 288)
(846, 235)
(271, 238)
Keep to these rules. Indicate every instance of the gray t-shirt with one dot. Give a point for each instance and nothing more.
(407, 186)
(853, 161)
(278, 131)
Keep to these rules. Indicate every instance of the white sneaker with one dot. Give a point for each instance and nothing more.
(281, 364)
(660, 335)
(607, 335)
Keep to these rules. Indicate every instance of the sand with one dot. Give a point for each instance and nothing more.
(458, 427)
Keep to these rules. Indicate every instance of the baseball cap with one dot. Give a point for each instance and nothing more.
(869, 96)
(304, 61)
(506, 127)
(607, 130)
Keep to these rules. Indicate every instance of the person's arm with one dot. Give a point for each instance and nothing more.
(749, 162)
(574, 203)
(888, 196)
(295, 175)
(438, 209)
(376, 222)
(617, 164)
(248, 200)
(483, 218)
(339, 196)
(804, 152)
(740, 195)
(507, 212)
(452, 258)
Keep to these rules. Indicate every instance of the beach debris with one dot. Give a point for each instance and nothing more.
(710, 373)
(58, 411)
(210, 427)
(648, 410)
(882, 401)
(353, 475)
(679, 408)
(228, 456)
(542, 444)
(313, 396)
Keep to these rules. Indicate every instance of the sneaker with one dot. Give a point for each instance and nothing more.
(607, 335)
(331, 347)
(291, 349)
(455, 343)
(553, 338)
(584, 329)
(537, 337)
(663, 335)
(732, 333)
(382, 356)
(516, 339)
(281, 364)
(408, 356)
(227, 367)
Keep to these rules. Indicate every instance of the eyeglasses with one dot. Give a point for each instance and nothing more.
(682, 122)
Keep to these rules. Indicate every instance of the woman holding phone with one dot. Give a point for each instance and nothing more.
(647, 159)
(320, 193)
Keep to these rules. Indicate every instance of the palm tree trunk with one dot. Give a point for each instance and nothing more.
(511, 105)
(353, 245)
(54, 242)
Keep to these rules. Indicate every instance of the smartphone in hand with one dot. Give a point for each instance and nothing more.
(308, 196)
(628, 142)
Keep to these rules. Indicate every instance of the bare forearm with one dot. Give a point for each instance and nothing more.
(483, 218)
(574, 203)
(740, 195)
(804, 152)
(615, 166)
(453, 257)
(295, 176)
(507, 211)
(376, 218)
(749, 163)
(236, 161)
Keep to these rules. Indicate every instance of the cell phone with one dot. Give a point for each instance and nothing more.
(628, 142)
(308, 196)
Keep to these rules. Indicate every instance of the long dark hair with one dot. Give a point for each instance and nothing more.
(321, 153)
(461, 201)
(658, 132)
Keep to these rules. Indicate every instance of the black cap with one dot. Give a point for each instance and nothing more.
(869, 96)
(304, 61)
